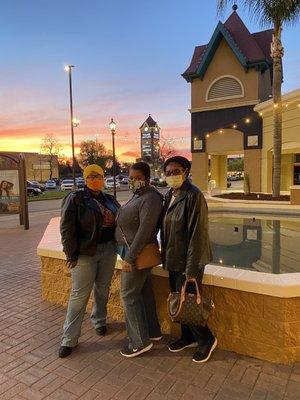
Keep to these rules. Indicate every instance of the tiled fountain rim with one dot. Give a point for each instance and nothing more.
(278, 285)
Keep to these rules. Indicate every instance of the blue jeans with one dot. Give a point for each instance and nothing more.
(90, 272)
(139, 307)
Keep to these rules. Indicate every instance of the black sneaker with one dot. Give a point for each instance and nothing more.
(129, 352)
(180, 345)
(101, 331)
(204, 352)
(64, 351)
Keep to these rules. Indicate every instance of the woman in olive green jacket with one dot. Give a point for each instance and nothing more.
(186, 248)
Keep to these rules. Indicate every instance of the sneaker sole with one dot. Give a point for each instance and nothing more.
(209, 354)
(137, 353)
(156, 339)
(185, 347)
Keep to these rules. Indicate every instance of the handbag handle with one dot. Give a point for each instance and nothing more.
(183, 289)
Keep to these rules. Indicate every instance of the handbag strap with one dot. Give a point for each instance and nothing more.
(123, 235)
(183, 289)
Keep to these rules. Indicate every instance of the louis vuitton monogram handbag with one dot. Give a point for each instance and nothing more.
(188, 308)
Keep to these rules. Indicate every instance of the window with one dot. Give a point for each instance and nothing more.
(225, 87)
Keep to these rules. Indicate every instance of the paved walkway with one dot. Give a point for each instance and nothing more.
(30, 332)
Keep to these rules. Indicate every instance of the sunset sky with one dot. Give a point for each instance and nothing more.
(128, 54)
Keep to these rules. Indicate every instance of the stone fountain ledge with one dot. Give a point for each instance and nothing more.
(279, 285)
(256, 314)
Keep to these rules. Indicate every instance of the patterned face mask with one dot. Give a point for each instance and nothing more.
(135, 185)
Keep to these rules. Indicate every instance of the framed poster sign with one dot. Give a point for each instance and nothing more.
(9, 192)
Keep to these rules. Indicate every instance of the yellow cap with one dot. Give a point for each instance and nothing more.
(92, 168)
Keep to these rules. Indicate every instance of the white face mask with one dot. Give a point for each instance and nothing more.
(175, 181)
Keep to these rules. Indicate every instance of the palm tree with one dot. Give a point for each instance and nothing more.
(275, 13)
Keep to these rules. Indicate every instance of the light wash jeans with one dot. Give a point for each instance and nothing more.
(139, 307)
(90, 272)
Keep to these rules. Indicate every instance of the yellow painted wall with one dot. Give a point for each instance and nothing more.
(228, 142)
(290, 144)
(225, 63)
(200, 170)
(252, 166)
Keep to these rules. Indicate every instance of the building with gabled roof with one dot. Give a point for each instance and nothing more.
(229, 76)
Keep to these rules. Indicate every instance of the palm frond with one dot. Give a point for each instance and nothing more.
(268, 12)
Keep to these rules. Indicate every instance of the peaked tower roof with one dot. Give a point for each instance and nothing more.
(150, 122)
(250, 49)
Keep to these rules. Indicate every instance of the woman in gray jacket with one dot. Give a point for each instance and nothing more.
(138, 223)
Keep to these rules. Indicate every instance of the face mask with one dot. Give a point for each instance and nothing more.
(96, 185)
(175, 181)
(136, 185)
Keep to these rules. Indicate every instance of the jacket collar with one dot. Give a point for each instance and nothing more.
(182, 194)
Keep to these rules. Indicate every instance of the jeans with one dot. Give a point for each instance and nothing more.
(189, 334)
(90, 272)
(139, 307)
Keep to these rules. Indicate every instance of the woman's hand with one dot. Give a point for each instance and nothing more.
(126, 267)
(71, 264)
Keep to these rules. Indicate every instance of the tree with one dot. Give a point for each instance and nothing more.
(51, 147)
(166, 150)
(92, 153)
(275, 13)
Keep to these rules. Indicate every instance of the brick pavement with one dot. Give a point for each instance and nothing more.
(30, 332)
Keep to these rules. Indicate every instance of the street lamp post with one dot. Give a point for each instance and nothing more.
(68, 69)
(112, 126)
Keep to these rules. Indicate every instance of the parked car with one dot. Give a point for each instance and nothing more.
(125, 181)
(67, 184)
(33, 191)
(109, 183)
(36, 184)
(158, 182)
(50, 184)
(80, 182)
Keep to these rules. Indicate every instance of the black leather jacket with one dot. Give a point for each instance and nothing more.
(184, 234)
(80, 224)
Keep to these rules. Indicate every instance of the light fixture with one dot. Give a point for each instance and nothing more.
(195, 138)
(247, 120)
(275, 105)
(146, 128)
(75, 122)
(221, 131)
(261, 114)
(67, 68)
(112, 125)
(234, 126)
(220, 261)
(286, 105)
(207, 135)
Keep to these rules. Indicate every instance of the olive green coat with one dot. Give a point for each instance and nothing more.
(184, 234)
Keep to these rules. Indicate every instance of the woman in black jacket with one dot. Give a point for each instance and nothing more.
(87, 229)
(186, 247)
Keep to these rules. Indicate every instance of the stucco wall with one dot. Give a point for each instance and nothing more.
(224, 63)
(290, 143)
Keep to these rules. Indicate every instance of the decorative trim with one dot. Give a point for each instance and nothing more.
(222, 106)
(225, 97)
(219, 33)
